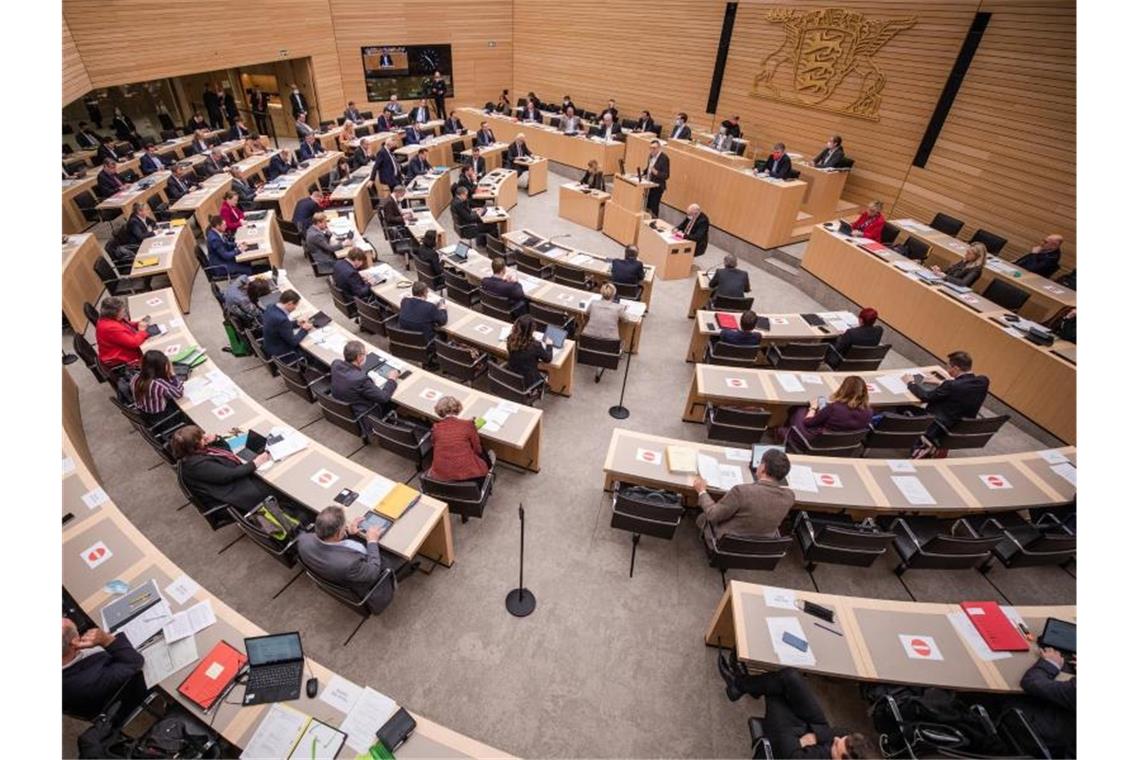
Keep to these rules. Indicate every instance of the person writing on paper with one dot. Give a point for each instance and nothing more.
(155, 388)
(96, 668)
(352, 386)
(960, 397)
(870, 222)
(746, 335)
(967, 271)
(866, 334)
(117, 338)
(777, 165)
(730, 281)
(593, 178)
(1050, 705)
(847, 410)
(502, 283)
(627, 270)
(223, 252)
(1044, 259)
(748, 510)
(696, 228)
(279, 337)
(347, 277)
(524, 353)
(831, 155)
(457, 453)
(419, 314)
(426, 252)
(319, 244)
(215, 474)
(339, 553)
(603, 319)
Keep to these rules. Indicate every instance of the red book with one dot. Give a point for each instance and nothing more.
(872, 246)
(995, 628)
(727, 321)
(213, 675)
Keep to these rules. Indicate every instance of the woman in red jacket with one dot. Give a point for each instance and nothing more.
(457, 453)
(118, 339)
(231, 212)
(870, 222)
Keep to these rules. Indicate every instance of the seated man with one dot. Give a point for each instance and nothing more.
(960, 397)
(106, 150)
(730, 281)
(732, 126)
(628, 270)
(352, 113)
(478, 163)
(319, 245)
(141, 223)
(571, 123)
(151, 162)
(644, 123)
(831, 155)
(484, 136)
(866, 334)
(280, 337)
(749, 510)
(421, 114)
(393, 107)
(419, 164)
(306, 207)
(199, 144)
(608, 129)
(468, 180)
(463, 215)
(310, 148)
(695, 227)
(239, 131)
(216, 162)
(1044, 259)
(350, 384)
(419, 314)
(452, 125)
(108, 180)
(181, 181)
(245, 191)
(777, 165)
(1050, 705)
(86, 138)
(302, 126)
(502, 283)
(681, 130)
(794, 721)
(394, 209)
(413, 135)
(330, 553)
(347, 277)
(222, 251)
(530, 112)
(96, 668)
(518, 149)
(746, 335)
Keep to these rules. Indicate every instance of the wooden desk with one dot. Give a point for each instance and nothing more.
(203, 202)
(500, 187)
(482, 332)
(136, 192)
(1046, 298)
(702, 150)
(581, 206)
(433, 188)
(824, 191)
(756, 209)
(283, 193)
(353, 193)
(596, 265)
(551, 143)
(621, 224)
(781, 391)
(73, 219)
(80, 283)
(174, 249)
(266, 233)
(373, 142)
(536, 168)
(670, 254)
(782, 328)
(630, 193)
(862, 487)
(873, 631)
(438, 148)
(329, 139)
(493, 154)
(1037, 381)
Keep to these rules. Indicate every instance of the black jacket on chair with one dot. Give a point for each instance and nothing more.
(90, 683)
(954, 399)
(730, 282)
(223, 479)
(350, 385)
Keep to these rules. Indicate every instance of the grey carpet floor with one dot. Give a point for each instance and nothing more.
(608, 665)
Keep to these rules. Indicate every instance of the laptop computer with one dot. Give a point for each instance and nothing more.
(276, 666)
(461, 251)
(556, 335)
(844, 228)
(254, 444)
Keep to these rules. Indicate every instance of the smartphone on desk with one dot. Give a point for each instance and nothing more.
(794, 641)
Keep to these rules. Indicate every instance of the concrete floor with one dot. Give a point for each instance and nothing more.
(608, 665)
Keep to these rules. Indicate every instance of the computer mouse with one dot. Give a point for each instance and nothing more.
(311, 687)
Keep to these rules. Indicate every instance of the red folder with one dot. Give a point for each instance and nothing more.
(727, 321)
(996, 629)
(872, 246)
(213, 675)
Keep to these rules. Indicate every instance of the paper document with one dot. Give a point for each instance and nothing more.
(802, 479)
(319, 741)
(786, 653)
(341, 693)
(709, 470)
(147, 624)
(1052, 456)
(789, 382)
(681, 459)
(504, 332)
(371, 711)
(161, 659)
(189, 621)
(812, 378)
(738, 455)
(912, 489)
(635, 309)
(182, 589)
(496, 416)
(780, 598)
(95, 497)
(276, 734)
(729, 475)
(892, 383)
(373, 493)
(901, 465)
(1066, 471)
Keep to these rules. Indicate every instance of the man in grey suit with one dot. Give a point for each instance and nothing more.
(319, 244)
(331, 554)
(730, 281)
(749, 510)
(350, 384)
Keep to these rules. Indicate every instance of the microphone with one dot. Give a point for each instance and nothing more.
(563, 235)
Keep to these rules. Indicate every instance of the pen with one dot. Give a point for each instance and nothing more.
(829, 630)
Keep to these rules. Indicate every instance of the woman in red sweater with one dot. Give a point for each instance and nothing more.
(457, 453)
(231, 212)
(118, 339)
(870, 222)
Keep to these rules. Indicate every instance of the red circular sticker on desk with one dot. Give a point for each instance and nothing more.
(826, 479)
(920, 647)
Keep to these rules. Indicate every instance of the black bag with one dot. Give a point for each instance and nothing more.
(932, 713)
(651, 496)
(174, 736)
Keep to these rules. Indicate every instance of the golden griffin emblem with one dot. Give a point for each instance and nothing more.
(824, 47)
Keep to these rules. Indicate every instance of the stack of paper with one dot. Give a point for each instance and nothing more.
(789, 382)
(635, 309)
(681, 459)
(373, 493)
(892, 383)
(801, 478)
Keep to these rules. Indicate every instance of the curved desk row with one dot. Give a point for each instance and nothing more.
(550, 142)
(868, 487)
(782, 328)
(131, 558)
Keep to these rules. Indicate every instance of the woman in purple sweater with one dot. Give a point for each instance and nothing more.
(846, 411)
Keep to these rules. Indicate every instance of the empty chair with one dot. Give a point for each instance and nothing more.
(993, 243)
(412, 345)
(914, 249)
(511, 386)
(343, 302)
(837, 540)
(931, 543)
(897, 432)
(627, 291)
(496, 306)
(254, 341)
(406, 438)
(573, 277)
(644, 511)
(464, 363)
(970, 433)
(385, 586)
(373, 316)
(90, 312)
(85, 351)
(731, 355)
(533, 265)
(1026, 544)
(947, 224)
(303, 380)
(116, 285)
(464, 498)
(889, 234)
(857, 358)
(826, 443)
(340, 414)
(730, 303)
(796, 356)
(730, 552)
(496, 247)
(290, 232)
(845, 163)
(736, 424)
(1005, 295)
(426, 276)
(460, 289)
(599, 353)
(544, 315)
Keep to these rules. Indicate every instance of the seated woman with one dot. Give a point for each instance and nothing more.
(347, 133)
(593, 178)
(870, 222)
(967, 271)
(866, 334)
(427, 253)
(214, 473)
(524, 353)
(341, 172)
(746, 335)
(231, 213)
(846, 411)
(604, 320)
(117, 338)
(155, 388)
(458, 454)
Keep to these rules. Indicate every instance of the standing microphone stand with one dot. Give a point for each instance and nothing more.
(520, 601)
(619, 412)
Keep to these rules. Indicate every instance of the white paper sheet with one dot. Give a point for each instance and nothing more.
(1066, 471)
(95, 497)
(786, 653)
(189, 621)
(901, 465)
(371, 711)
(802, 479)
(1052, 456)
(789, 382)
(182, 589)
(319, 741)
(892, 383)
(738, 455)
(812, 378)
(147, 624)
(780, 598)
(912, 489)
(729, 475)
(276, 734)
(373, 493)
(161, 659)
(709, 470)
(341, 693)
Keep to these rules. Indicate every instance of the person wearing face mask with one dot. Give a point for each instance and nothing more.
(722, 140)
(831, 155)
(297, 101)
(778, 165)
(681, 129)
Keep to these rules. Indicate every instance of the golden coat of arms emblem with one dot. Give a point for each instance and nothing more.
(821, 49)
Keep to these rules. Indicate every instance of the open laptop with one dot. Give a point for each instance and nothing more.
(461, 251)
(556, 335)
(254, 444)
(276, 666)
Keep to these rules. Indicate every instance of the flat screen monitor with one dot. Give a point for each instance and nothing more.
(404, 70)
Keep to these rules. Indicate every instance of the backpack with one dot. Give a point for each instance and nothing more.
(273, 521)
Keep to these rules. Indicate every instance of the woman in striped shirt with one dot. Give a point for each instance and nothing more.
(156, 387)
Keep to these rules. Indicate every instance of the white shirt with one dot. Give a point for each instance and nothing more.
(348, 543)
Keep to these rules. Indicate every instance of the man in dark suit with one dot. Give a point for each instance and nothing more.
(310, 148)
(141, 224)
(297, 101)
(438, 90)
(794, 721)
(246, 192)
(696, 228)
(199, 144)
(179, 183)
(319, 244)
(628, 270)
(96, 668)
(1044, 259)
(419, 164)
(221, 251)
(518, 149)
(197, 122)
(778, 165)
(108, 180)
(530, 112)
(656, 170)
(386, 168)
(502, 283)
(732, 127)
(478, 163)
(306, 207)
(866, 334)
(413, 135)
(681, 129)
(151, 162)
(352, 113)
(960, 397)
(347, 277)
(280, 337)
(350, 384)
(384, 123)
(730, 281)
(608, 129)
(239, 131)
(216, 162)
(1050, 705)
(463, 215)
(229, 105)
(831, 154)
(330, 553)
(394, 209)
(419, 314)
(484, 136)
(611, 109)
(259, 104)
(452, 125)
(213, 105)
(107, 150)
(644, 123)
(421, 114)
(85, 138)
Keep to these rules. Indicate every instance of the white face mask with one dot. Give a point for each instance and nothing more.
(678, 122)
(723, 130)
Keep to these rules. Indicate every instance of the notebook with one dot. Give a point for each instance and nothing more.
(398, 501)
(995, 628)
(213, 676)
(727, 321)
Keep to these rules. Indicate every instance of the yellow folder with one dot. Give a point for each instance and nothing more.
(681, 459)
(397, 501)
(145, 261)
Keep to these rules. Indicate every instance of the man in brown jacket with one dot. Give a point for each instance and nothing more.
(749, 510)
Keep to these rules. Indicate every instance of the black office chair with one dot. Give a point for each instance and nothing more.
(947, 224)
(969, 433)
(889, 234)
(383, 591)
(116, 285)
(407, 438)
(761, 747)
(897, 432)
(254, 340)
(464, 498)
(290, 232)
(460, 289)
(645, 511)
(857, 358)
(628, 292)
(1007, 296)
(720, 302)
(341, 414)
(461, 362)
(373, 316)
(993, 243)
(745, 425)
(216, 513)
(730, 552)
(804, 357)
(412, 345)
(731, 355)
(932, 543)
(425, 275)
(90, 357)
(511, 386)
(533, 265)
(914, 249)
(214, 272)
(838, 540)
(826, 443)
(545, 315)
(1047, 541)
(343, 302)
(496, 306)
(600, 354)
(573, 277)
(305, 381)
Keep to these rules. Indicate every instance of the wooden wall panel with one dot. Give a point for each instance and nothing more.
(1005, 160)
(479, 71)
(76, 83)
